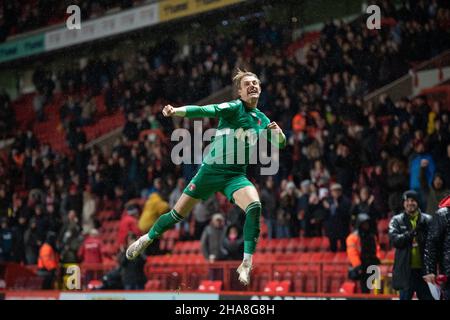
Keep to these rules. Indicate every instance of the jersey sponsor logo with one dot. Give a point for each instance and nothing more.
(192, 187)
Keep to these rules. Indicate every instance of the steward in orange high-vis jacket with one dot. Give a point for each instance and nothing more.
(363, 251)
(48, 261)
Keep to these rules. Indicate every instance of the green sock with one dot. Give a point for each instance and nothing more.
(251, 226)
(164, 223)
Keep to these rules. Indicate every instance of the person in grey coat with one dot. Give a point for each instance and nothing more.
(211, 243)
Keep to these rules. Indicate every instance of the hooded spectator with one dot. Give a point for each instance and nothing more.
(362, 250)
(211, 243)
(212, 238)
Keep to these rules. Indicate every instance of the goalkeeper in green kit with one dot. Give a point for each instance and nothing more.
(241, 123)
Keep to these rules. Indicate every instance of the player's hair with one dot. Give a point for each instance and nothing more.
(239, 75)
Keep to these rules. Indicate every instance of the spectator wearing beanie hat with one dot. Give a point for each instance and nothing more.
(408, 232)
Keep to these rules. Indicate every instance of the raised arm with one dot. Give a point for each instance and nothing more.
(191, 111)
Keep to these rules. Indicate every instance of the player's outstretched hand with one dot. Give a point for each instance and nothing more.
(168, 111)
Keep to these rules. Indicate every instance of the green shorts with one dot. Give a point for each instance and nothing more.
(209, 180)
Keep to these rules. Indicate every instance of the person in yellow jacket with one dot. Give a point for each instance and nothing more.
(154, 207)
(363, 251)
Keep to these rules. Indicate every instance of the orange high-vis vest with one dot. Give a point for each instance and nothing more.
(354, 249)
(48, 259)
(298, 123)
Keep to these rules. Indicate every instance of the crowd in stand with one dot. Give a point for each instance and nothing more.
(344, 156)
(19, 17)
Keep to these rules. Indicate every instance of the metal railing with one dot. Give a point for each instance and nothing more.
(311, 277)
(403, 87)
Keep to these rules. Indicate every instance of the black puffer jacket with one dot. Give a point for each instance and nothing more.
(437, 247)
(401, 236)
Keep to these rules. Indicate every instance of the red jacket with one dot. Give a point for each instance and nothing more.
(91, 250)
(444, 203)
(127, 224)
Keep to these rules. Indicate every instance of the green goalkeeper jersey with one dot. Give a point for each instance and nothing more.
(237, 134)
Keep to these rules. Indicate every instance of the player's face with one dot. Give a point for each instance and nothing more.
(250, 89)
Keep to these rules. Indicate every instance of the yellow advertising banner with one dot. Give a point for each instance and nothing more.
(172, 9)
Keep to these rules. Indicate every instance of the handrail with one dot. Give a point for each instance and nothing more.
(436, 62)
(394, 86)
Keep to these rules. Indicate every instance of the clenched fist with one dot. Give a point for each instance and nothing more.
(168, 111)
(274, 126)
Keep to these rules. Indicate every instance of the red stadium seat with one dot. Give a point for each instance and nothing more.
(328, 257)
(336, 282)
(210, 286)
(299, 281)
(153, 285)
(278, 286)
(325, 244)
(315, 244)
(304, 244)
(262, 245)
(348, 287)
(340, 257)
(292, 245)
(305, 257)
(94, 284)
(316, 257)
(178, 248)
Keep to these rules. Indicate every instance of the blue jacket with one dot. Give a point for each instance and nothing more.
(414, 170)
